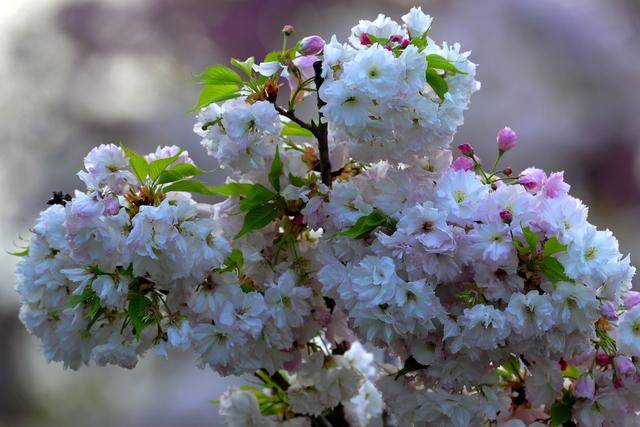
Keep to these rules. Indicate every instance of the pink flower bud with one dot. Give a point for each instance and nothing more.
(532, 179)
(624, 366)
(617, 383)
(396, 38)
(506, 216)
(287, 30)
(388, 47)
(585, 388)
(507, 171)
(603, 359)
(405, 43)
(555, 186)
(462, 164)
(365, 39)
(507, 139)
(466, 149)
(608, 310)
(311, 45)
(631, 300)
(563, 364)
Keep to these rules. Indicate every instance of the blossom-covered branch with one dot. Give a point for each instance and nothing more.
(349, 262)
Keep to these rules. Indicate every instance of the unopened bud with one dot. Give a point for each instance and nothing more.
(311, 45)
(466, 149)
(507, 139)
(287, 30)
(506, 216)
(507, 171)
(396, 38)
(603, 359)
(365, 39)
(271, 91)
(405, 43)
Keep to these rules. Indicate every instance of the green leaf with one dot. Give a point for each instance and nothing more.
(233, 189)
(437, 83)
(190, 186)
(22, 253)
(216, 93)
(297, 181)
(258, 196)
(159, 165)
(554, 271)
(560, 414)
(520, 247)
(257, 218)
(441, 63)
(276, 171)
(246, 66)
(273, 56)
(553, 246)
(420, 42)
(561, 410)
(366, 224)
(138, 163)
(219, 75)
(293, 129)
(571, 371)
(235, 261)
(138, 308)
(531, 238)
(76, 299)
(179, 171)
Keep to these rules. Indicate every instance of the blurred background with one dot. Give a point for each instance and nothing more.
(565, 74)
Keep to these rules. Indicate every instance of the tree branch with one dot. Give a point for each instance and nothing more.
(321, 129)
(291, 116)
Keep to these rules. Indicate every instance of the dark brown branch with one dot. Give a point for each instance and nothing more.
(321, 129)
(291, 116)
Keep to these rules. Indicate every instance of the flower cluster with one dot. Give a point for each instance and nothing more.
(480, 295)
(393, 93)
(473, 270)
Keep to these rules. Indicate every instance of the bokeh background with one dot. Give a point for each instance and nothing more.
(75, 73)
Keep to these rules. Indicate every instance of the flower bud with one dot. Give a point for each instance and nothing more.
(388, 47)
(311, 45)
(603, 359)
(462, 164)
(507, 171)
(507, 139)
(506, 216)
(405, 43)
(631, 300)
(396, 38)
(365, 39)
(585, 388)
(608, 310)
(624, 366)
(287, 30)
(563, 364)
(617, 383)
(466, 149)
(271, 91)
(533, 179)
